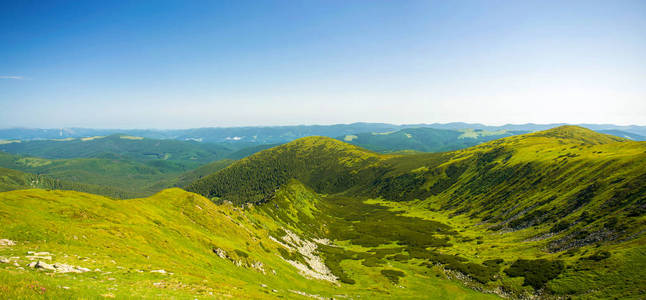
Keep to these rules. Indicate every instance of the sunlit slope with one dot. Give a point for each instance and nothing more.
(325, 164)
(514, 182)
(173, 244)
(569, 196)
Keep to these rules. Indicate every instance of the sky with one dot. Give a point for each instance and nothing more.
(186, 64)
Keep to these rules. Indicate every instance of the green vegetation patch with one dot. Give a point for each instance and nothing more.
(536, 272)
(392, 275)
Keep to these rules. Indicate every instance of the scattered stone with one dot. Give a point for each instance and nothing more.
(58, 268)
(221, 253)
(63, 268)
(44, 266)
(66, 287)
(158, 271)
(258, 266)
(315, 267)
(263, 285)
(7, 242)
(4, 260)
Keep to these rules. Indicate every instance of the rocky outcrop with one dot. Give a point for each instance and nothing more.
(58, 267)
(314, 267)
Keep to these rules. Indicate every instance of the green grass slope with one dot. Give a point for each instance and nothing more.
(325, 164)
(535, 214)
(175, 245)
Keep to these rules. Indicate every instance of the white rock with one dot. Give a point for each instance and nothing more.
(44, 266)
(63, 268)
(7, 242)
(221, 253)
(4, 260)
(158, 271)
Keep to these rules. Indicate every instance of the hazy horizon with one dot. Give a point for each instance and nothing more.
(175, 64)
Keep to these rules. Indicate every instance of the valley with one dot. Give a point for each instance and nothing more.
(550, 214)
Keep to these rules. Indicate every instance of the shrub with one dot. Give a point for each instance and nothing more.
(392, 275)
(536, 272)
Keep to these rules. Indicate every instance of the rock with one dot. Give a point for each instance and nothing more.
(32, 264)
(63, 268)
(65, 287)
(258, 266)
(158, 271)
(4, 260)
(6, 242)
(44, 266)
(221, 253)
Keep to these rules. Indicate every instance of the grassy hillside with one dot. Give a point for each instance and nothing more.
(323, 163)
(565, 206)
(176, 245)
(557, 213)
(133, 178)
(186, 153)
(424, 139)
(17, 180)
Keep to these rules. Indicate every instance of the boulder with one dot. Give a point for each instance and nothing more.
(7, 242)
(44, 266)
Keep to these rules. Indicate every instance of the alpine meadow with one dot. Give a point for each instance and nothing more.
(323, 150)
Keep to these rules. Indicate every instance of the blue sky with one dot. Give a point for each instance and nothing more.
(181, 64)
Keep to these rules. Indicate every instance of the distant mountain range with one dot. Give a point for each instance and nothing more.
(248, 136)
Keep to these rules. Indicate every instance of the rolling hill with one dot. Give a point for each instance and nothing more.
(239, 137)
(117, 146)
(424, 139)
(559, 202)
(552, 214)
(114, 177)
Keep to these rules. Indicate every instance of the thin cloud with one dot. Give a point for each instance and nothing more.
(12, 77)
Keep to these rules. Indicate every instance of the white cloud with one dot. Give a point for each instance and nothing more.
(12, 77)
